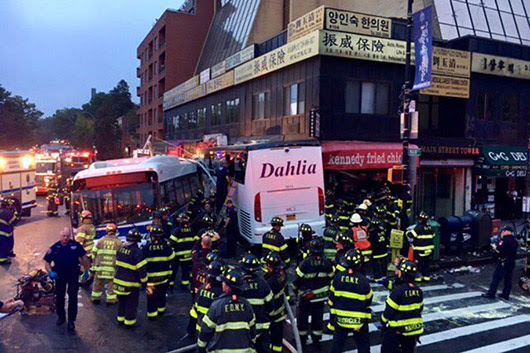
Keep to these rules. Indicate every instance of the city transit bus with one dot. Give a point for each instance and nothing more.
(17, 180)
(283, 179)
(127, 191)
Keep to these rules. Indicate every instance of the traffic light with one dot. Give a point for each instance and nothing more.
(396, 174)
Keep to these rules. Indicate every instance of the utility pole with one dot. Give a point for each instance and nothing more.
(405, 94)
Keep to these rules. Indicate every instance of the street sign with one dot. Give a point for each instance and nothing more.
(396, 238)
(415, 152)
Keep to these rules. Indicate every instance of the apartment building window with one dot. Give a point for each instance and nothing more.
(176, 122)
(192, 120)
(261, 106)
(485, 106)
(367, 97)
(156, 91)
(216, 114)
(232, 111)
(510, 108)
(429, 111)
(201, 117)
(155, 115)
(294, 99)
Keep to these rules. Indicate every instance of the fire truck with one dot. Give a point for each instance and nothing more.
(17, 180)
(47, 170)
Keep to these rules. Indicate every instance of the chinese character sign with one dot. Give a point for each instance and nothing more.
(422, 32)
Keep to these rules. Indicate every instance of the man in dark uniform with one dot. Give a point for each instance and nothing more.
(401, 321)
(7, 220)
(231, 229)
(183, 240)
(62, 262)
(379, 243)
(159, 256)
(273, 240)
(329, 207)
(422, 242)
(349, 300)
(129, 277)
(277, 279)
(506, 251)
(229, 324)
(305, 235)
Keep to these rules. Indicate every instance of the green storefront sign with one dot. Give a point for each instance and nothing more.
(503, 161)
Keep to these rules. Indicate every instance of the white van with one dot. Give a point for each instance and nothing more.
(283, 179)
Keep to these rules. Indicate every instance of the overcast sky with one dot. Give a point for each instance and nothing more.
(54, 51)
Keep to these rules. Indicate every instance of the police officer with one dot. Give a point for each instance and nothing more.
(305, 234)
(229, 324)
(277, 278)
(422, 242)
(361, 240)
(401, 321)
(104, 265)
(129, 277)
(207, 293)
(350, 299)
(86, 233)
(260, 296)
(183, 240)
(273, 240)
(7, 223)
(159, 256)
(313, 277)
(506, 251)
(62, 262)
(379, 243)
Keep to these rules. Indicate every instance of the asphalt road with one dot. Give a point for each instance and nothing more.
(456, 318)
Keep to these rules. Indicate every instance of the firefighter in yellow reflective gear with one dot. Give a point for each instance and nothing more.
(104, 265)
(207, 293)
(159, 256)
(402, 323)
(329, 207)
(305, 235)
(344, 216)
(379, 243)
(421, 238)
(361, 241)
(229, 325)
(349, 300)
(312, 281)
(273, 240)
(86, 233)
(129, 277)
(183, 240)
(277, 278)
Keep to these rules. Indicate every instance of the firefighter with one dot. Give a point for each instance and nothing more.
(344, 216)
(349, 300)
(159, 256)
(260, 296)
(273, 240)
(344, 243)
(167, 225)
(52, 193)
(130, 275)
(67, 191)
(305, 234)
(229, 324)
(329, 207)
(277, 278)
(195, 206)
(206, 225)
(402, 323)
(86, 233)
(361, 241)
(206, 295)
(379, 243)
(362, 210)
(392, 213)
(104, 265)
(312, 281)
(200, 259)
(329, 236)
(7, 221)
(421, 238)
(183, 240)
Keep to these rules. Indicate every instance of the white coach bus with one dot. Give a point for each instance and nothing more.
(17, 180)
(127, 191)
(283, 179)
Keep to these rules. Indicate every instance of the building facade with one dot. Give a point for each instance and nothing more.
(168, 55)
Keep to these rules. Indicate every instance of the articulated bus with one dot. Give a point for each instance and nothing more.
(283, 179)
(127, 191)
(17, 180)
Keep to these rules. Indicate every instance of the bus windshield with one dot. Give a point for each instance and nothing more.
(122, 205)
(44, 167)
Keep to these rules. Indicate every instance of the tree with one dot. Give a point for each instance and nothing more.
(83, 134)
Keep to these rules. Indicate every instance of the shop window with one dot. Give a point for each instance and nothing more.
(485, 106)
(201, 117)
(443, 186)
(367, 97)
(294, 99)
(261, 106)
(216, 113)
(232, 111)
(510, 108)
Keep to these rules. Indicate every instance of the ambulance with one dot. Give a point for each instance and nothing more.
(17, 180)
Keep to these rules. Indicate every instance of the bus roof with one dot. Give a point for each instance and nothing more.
(167, 167)
(265, 145)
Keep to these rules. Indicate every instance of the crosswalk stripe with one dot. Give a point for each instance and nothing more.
(446, 315)
(463, 331)
(504, 346)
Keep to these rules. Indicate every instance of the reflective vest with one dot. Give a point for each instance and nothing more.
(313, 275)
(259, 295)
(274, 241)
(159, 257)
(422, 239)
(278, 282)
(403, 310)
(205, 297)
(183, 241)
(85, 236)
(105, 253)
(130, 269)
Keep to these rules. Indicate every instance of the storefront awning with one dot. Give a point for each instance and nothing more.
(359, 155)
(503, 161)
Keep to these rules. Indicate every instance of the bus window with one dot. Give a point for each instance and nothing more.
(164, 193)
(179, 192)
(170, 189)
(240, 168)
(187, 189)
